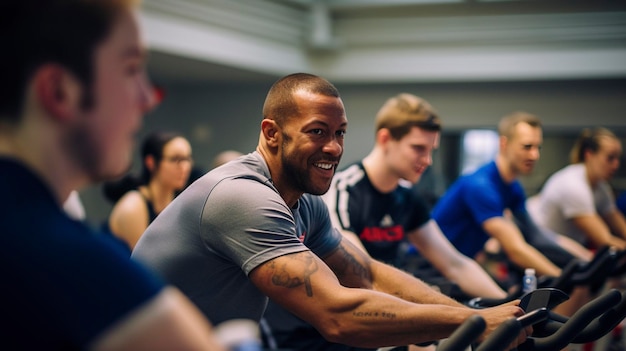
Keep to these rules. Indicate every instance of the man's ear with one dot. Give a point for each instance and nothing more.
(383, 135)
(503, 142)
(57, 91)
(270, 132)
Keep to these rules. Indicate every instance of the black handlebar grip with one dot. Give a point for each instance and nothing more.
(602, 325)
(508, 331)
(574, 325)
(464, 335)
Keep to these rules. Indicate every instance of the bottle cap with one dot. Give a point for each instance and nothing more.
(236, 331)
(529, 271)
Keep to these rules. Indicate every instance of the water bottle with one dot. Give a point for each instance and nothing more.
(239, 335)
(529, 282)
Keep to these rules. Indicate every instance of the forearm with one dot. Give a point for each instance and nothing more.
(574, 247)
(600, 236)
(358, 312)
(598, 231)
(474, 281)
(529, 257)
(385, 278)
(517, 249)
(384, 320)
(617, 223)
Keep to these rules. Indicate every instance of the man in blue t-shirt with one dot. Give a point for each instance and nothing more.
(72, 98)
(475, 207)
(490, 203)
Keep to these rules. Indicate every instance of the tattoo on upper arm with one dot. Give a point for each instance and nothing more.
(352, 265)
(281, 276)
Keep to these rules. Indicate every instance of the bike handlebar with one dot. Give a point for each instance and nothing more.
(574, 325)
(591, 322)
(464, 335)
(598, 327)
(576, 273)
(508, 331)
(598, 271)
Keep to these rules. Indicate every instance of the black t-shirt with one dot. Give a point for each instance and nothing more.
(381, 220)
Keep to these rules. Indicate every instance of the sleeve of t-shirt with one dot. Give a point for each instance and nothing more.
(248, 222)
(484, 201)
(574, 201)
(606, 202)
(322, 238)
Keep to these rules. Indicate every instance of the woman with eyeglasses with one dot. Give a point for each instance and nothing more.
(166, 165)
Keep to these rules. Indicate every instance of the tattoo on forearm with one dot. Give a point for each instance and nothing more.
(282, 278)
(374, 314)
(353, 265)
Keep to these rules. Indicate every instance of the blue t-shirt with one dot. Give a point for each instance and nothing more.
(470, 201)
(62, 284)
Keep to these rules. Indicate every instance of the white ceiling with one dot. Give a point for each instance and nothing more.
(385, 41)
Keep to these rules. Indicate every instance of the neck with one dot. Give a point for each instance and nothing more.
(504, 168)
(158, 195)
(381, 177)
(289, 195)
(50, 166)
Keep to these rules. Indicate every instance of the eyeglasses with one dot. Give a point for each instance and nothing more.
(178, 159)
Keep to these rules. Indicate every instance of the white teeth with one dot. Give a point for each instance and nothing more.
(324, 165)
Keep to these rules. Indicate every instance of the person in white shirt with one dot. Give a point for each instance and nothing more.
(578, 200)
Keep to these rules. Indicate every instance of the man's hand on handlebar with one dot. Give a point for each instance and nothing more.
(494, 316)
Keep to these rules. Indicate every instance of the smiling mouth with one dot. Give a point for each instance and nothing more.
(325, 166)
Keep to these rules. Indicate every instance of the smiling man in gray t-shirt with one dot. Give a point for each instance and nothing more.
(256, 227)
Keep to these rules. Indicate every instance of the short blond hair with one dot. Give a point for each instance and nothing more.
(507, 124)
(404, 111)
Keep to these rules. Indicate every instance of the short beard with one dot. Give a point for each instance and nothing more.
(300, 179)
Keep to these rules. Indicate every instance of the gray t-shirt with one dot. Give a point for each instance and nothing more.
(567, 194)
(223, 226)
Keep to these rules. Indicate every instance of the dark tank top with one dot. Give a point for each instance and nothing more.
(151, 212)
